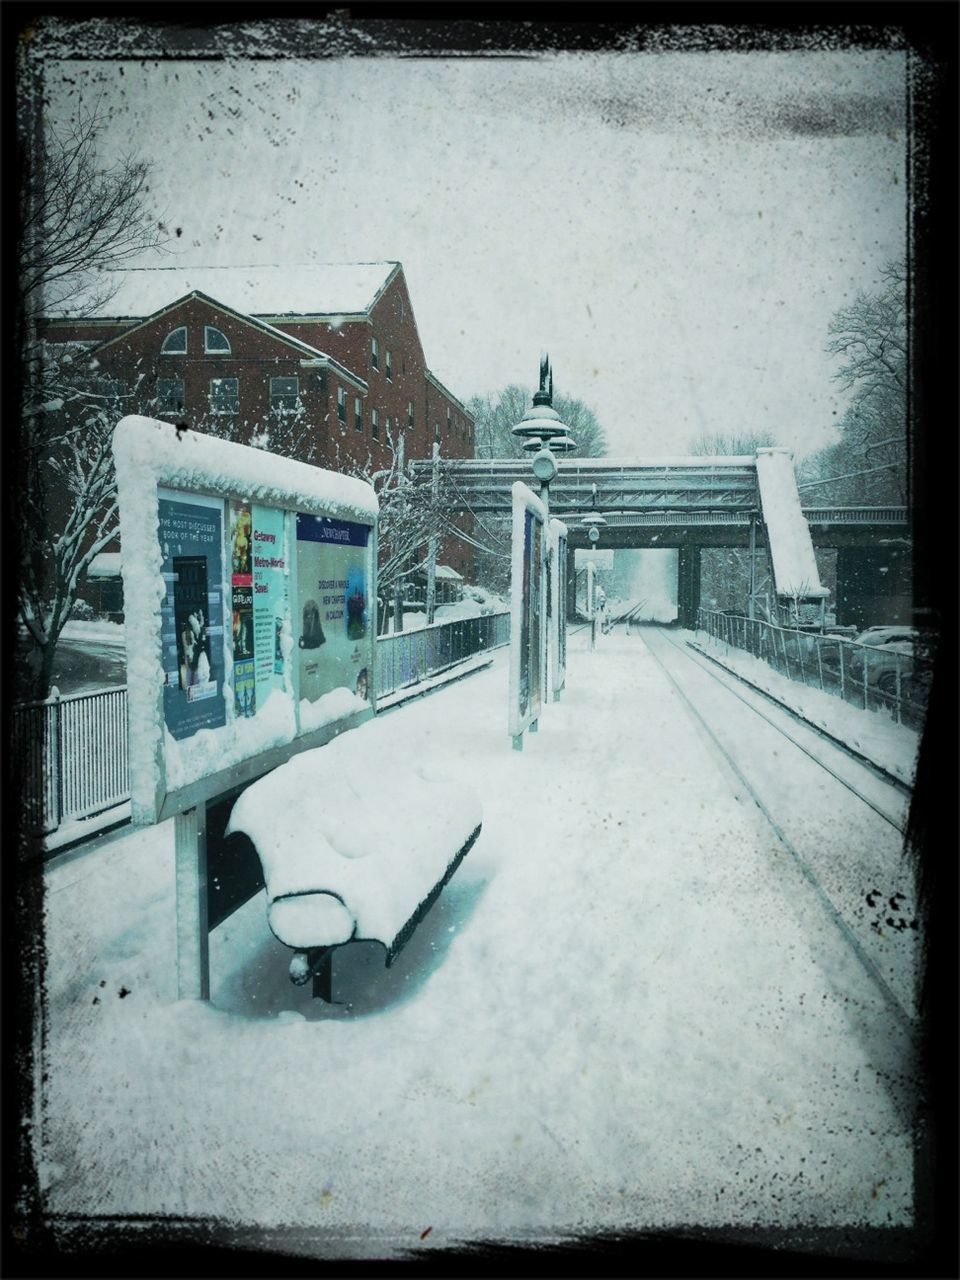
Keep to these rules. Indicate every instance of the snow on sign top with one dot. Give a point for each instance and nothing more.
(329, 288)
(149, 452)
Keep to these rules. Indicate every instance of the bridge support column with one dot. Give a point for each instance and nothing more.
(874, 586)
(688, 586)
(571, 585)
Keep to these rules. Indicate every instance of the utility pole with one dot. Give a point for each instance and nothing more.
(432, 545)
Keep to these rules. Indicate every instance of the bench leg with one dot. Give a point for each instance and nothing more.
(323, 978)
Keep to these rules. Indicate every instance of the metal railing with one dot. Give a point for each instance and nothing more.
(870, 677)
(72, 754)
(73, 751)
(408, 657)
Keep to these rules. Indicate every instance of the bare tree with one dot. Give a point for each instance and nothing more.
(868, 464)
(496, 413)
(67, 493)
(80, 219)
(409, 513)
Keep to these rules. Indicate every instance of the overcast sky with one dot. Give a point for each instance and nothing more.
(676, 229)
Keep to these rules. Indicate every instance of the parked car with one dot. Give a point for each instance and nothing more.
(883, 651)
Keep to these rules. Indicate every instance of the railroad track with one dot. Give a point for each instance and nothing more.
(841, 907)
(733, 684)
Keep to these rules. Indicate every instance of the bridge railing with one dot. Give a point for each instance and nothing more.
(872, 677)
(73, 750)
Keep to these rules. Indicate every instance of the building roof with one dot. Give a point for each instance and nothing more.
(310, 354)
(312, 289)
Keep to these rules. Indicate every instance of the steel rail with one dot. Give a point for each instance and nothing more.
(903, 1018)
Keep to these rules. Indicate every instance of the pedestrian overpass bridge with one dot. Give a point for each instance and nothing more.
(692, 503)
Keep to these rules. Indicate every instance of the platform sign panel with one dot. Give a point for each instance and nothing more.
(558, 612)
(216, 605)
(191, 613)
(260, 608)
(527, 611)
(334, 614)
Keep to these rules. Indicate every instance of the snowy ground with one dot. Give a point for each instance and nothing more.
(874, 734)
(613, 1017)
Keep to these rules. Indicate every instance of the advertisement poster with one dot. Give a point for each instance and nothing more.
(259, 586)
(530, 674)
(333, 624)
(562, 605)
(191, 614)
(270, 599)
(241, 583)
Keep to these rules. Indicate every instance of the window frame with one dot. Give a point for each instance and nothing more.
(357, 414)
(375, 423)
(165, 351)
(374, 354)
(284, 395)
(410, 415)
(222, 411)
(165, 407)
(341, 404)
(388, 366)
(215, 351)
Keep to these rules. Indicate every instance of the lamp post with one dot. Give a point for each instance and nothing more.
(543, 433)
(592, 522)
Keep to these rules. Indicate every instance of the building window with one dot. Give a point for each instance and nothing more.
(215, 342)
(175, 343)
(409, 413)
(284, 394)
(341, 404)
(389, 366)
(402, 312)
(436, 431)
(449, 421)
(375, 423)
(375, 353)
(170, 395)
(320, 380)
(357, 414)
(225, 395)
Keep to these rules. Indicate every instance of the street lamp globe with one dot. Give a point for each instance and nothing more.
(544, 466)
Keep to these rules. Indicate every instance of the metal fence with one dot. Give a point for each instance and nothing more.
(411, 656)
(73, 757)
(868, 676)
(73, 750)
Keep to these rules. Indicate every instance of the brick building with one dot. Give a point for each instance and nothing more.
(323, 362)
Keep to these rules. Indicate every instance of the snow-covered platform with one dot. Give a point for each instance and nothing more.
(353, 852)
(622, 1012)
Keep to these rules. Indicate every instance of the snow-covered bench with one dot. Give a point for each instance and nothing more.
(350, 852)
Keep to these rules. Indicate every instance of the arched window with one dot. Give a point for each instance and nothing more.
(215, 342)
(175, 343)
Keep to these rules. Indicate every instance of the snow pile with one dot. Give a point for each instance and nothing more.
(791, 547)
(210, 750)
(378, 841)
